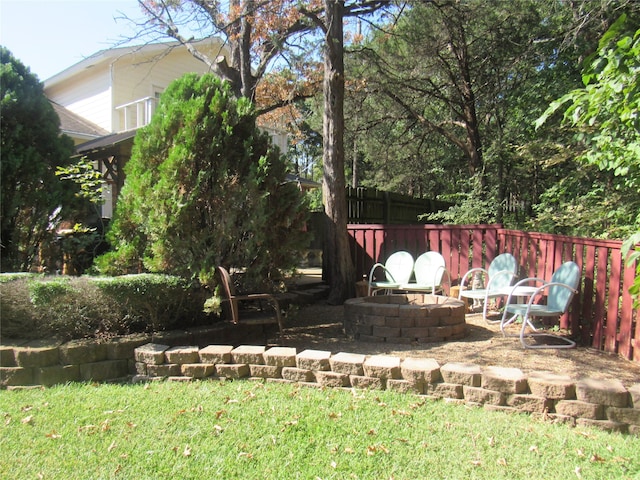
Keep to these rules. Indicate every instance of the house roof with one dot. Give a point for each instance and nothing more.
(105, 142)
(76, 126)
(112, 54)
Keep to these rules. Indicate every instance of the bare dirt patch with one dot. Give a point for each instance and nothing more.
(319, 326)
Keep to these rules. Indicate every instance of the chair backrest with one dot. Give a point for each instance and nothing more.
(559, 298)
(503, 262)
(400, 266)
(429, 268)
(229, 292)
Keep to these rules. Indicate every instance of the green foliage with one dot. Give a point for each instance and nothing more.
(605, 110)
(605, 115)
(585, 202)
(205, 188)
(631, 249)
(86, 177)
(35, 306)
(43, 293)
(157, 301)
(32, 198)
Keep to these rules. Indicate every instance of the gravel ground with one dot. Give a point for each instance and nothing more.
(319, 326)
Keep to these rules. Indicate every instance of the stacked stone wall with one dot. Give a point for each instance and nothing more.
(605, 404)
(405, 318)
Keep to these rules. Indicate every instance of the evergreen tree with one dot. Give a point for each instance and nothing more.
(33, 198)
(204, 187)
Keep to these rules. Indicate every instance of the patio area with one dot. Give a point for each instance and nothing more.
(320, 326)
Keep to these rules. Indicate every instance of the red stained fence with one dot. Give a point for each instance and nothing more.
(602, 314)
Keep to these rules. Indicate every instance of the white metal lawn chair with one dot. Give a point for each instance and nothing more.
(429, 270)
(559, 292)
(397, 269)
(498, 278)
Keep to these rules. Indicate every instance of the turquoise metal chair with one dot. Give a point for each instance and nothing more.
(397, 269)
(559, 292)
(429, 271)
(498, 278)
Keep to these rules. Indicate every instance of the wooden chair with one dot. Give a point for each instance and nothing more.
(256, 316)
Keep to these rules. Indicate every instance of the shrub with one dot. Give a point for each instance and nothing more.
(35, 306)
(205, 188)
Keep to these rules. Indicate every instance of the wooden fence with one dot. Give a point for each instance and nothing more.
(602, 314)
(369, 205)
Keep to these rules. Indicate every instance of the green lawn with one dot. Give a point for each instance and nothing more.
(251, 430)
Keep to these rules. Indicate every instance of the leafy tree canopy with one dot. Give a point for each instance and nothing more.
(204, 188)
(605, 110)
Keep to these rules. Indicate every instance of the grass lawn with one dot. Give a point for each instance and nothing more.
(251, 430)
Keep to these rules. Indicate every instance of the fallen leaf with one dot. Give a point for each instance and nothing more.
(492, 441)
(117, 470)
(502, 462)
(596, 458)
(579, 452)
(7, 419)
(245, 455)
(334, 465)
(89, 429)
(577, 471)
(187, 451)
(610, 448)
(219, 413)
(476, 463)
(26, 408)
(533, 448)
(373, 449)
(619, 459)
(400, 412)
(28, 420)
(348, 450)
(112, 446)
(217, 429)
(371, 432)
(335, 416)
(53, 434)
(131, 425)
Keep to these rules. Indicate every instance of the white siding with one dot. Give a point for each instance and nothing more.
(87, 94)
(138, 76)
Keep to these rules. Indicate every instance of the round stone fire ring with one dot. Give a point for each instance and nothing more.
(405, 318)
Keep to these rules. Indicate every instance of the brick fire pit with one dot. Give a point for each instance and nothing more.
(405, 318)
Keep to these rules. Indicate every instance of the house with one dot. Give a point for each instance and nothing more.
(103, 99)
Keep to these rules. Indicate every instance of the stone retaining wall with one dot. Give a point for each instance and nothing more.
(47, 362)
(606, 404)
(405, 318)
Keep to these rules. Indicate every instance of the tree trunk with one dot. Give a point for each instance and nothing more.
(339, 266)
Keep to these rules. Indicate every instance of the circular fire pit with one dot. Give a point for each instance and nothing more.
(405, 318)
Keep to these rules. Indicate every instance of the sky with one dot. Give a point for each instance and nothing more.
(49, 36)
